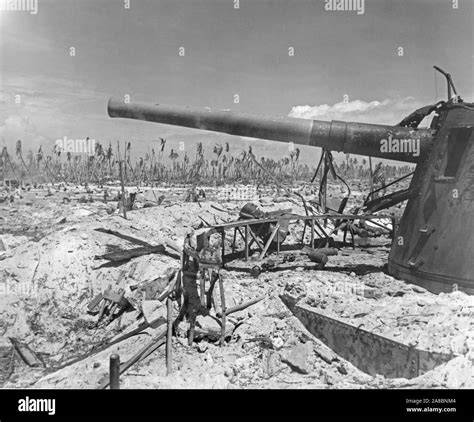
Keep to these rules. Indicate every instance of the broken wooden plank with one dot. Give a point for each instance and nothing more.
(220, 209)
(95, 350)
(138, 241)
(26, 354)
(124, 237)
(146, 351)
(270, 240)
(242, 306)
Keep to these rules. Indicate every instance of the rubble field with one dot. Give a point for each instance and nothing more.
(52, 267)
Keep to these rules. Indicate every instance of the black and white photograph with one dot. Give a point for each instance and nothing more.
(236, 195)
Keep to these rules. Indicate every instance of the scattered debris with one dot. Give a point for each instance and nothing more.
(164, 280)
(109, 305)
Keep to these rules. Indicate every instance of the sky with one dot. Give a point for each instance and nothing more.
(345, 66)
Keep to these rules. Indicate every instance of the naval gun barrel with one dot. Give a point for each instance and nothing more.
(381, 141)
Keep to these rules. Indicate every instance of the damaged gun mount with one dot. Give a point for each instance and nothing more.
(441, 191)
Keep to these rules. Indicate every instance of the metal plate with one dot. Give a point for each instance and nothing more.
(371, 353)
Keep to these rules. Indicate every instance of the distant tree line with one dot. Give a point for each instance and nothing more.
(223, 167)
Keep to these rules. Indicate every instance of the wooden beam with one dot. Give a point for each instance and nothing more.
(169, 337)
(246, 242)
(265, 249)
(296, 217)
(254, 239)
(223, 309)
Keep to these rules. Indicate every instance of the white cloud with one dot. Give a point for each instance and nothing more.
(386, 111)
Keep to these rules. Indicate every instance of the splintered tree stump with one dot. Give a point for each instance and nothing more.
(210, 292)
(192, 301)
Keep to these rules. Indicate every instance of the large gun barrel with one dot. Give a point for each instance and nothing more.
(390, 142)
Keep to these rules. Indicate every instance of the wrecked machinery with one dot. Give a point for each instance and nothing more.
(435, 238)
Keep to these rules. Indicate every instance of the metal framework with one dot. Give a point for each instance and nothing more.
(249, 230)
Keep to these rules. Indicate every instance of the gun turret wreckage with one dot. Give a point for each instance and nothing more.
(435, 239)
